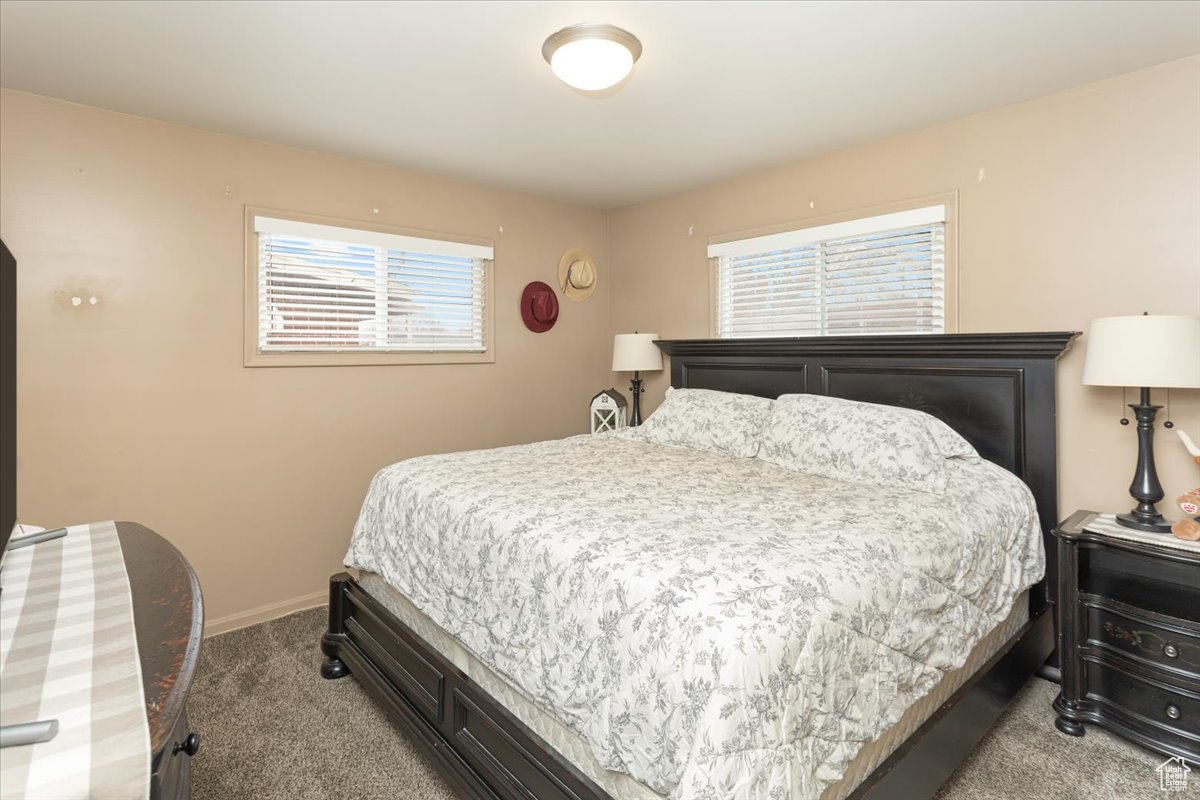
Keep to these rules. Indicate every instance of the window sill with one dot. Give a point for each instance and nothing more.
(257, 359)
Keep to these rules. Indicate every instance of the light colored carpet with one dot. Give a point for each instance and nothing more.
(274, 730)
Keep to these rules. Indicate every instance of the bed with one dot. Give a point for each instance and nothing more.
(608, 617)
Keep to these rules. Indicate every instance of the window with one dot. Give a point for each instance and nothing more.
(328, 294)
(880, 274)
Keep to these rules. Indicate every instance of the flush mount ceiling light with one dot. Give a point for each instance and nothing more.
(592, 57)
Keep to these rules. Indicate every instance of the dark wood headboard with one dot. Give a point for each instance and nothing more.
(996, 389)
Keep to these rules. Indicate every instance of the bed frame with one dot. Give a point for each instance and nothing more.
(997, 390)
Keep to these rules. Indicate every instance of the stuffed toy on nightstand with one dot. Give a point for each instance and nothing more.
(1188, 528)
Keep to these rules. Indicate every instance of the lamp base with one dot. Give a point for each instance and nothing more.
(635, 388)
(1144, 522)
(1145, 487)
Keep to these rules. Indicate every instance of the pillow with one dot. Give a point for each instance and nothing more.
(707, 420)
(861, 442)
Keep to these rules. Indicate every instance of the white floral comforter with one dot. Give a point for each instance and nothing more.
(715, 626)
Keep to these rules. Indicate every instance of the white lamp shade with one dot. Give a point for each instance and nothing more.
(636, 352)
(1156, 352)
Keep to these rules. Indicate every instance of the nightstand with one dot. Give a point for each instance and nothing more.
(1129, 634)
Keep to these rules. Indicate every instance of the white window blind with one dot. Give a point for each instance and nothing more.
(882, 274)
(324, 289)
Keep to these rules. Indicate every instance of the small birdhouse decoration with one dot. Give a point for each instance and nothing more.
(608, 411)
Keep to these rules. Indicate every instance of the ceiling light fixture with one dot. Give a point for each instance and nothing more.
(592, 57)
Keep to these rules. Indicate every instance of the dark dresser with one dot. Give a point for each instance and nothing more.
(1129, 635)
(169, 617)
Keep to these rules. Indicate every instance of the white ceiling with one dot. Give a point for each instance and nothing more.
(461, 89)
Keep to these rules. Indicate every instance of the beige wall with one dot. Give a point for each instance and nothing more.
(139, 407)
(1073, 206)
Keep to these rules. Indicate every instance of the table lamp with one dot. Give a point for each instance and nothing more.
(636, 353)
(1144, 352)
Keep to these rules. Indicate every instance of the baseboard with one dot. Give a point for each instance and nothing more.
(254, 616)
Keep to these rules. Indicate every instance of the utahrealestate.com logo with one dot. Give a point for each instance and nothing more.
(1173, 775)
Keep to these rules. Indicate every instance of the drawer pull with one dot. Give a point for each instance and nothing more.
(1170, 651)
(1173, 711)
(191, 745)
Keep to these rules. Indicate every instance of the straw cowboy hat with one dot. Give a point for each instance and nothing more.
(576, 275)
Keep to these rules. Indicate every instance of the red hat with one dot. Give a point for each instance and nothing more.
(539, 307)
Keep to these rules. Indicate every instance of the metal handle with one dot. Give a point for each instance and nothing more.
(1173, 711)
(1170, 651)
(190, 745)
(25, 733)
(16, 543)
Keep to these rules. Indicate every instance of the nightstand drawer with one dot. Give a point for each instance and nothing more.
(1175, 711)
(1170, 644)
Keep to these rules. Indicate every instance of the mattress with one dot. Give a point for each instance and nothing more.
(623, 787)
(698, 619)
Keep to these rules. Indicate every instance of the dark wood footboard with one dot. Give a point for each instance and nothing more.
(470, 738)
(484, 751)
